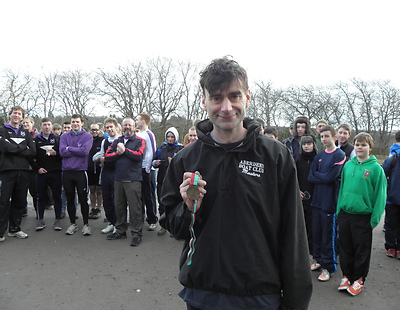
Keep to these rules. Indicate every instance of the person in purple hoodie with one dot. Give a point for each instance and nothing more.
(74, 149)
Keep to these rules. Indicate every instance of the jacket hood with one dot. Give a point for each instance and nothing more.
(395, 148)
(206, 126)
(370, 160)
(174, 132)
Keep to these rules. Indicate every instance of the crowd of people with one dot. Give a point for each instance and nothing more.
(344, 195)
(111, 166)
(257, 215)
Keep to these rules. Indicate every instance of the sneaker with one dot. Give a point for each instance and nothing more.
(324, 276)
(71, 229)
(57, 225)
(315, 266)
(115, 236)
(40, 225)
(136, 241)
(344, 284)
(162, 231)
(86, 231)
(108, 229)
(355, 288)
(152, 227)
(96, 213)
(91, 212)
(18, 234)
(2, 238)
(391, 253)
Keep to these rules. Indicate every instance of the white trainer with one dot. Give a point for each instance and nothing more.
(109, 228)
(18, 234)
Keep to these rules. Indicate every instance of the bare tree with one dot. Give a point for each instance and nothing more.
(75, 90)
(18, 91)
(168, 89)
(47, 93)
(190, 107)
(267, 104)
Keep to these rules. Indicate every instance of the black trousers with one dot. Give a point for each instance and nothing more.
(76, 180)
(13, 192)
(392, 225)
(147, 198)
(355, 243)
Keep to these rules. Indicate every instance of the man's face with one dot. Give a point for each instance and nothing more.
(327, 139)
(15, 118)
(66, 127)
(301, 129)
(111, 129)
(192, 135)
(320, 126)
(343, 135)
(94, 130)
(27, 124)
(128, 126)
(76, 124)
(139, 123)
(46, 127)
(226, 109)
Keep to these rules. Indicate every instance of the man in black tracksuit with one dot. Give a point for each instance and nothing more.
(245, 237)
(16, 150)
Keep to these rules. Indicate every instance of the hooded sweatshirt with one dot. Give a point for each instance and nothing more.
(293, 143)
(74, 150)
(165, 151)
(363, 189)
(250, 239)
(395, 148)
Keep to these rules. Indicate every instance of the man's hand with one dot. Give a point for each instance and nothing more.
(185, 186)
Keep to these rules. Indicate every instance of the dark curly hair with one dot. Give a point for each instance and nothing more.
(220, 73)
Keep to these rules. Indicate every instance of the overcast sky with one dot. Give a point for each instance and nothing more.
(296, 42)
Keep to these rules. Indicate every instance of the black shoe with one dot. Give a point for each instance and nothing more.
(136, 241)
(91, 212)
(96, 213)
(115, 236)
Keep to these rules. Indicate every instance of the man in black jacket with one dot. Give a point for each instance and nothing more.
(233, 196)
(16, 149)
(48, 172)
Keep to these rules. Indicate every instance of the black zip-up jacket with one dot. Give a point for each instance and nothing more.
(250, 231)
(50, 163)
(13, 155)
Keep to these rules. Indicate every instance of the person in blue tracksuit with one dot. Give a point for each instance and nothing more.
(324, 173)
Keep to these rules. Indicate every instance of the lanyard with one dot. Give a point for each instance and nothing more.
(193, 182)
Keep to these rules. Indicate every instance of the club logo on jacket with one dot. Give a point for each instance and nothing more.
(251, 168)
(366, 174)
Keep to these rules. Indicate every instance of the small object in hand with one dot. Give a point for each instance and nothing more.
(193, 191)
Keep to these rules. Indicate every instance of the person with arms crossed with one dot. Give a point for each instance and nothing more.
(226, 194)
(47, 166)
(107, 174)
(75, 146)
(16, 150)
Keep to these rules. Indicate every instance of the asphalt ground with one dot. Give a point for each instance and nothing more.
(53, 271)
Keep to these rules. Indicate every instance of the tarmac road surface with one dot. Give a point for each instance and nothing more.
(53, 271)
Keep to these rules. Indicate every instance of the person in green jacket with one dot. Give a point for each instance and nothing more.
(361, 203)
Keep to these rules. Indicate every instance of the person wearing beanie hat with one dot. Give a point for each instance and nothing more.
(301, 127)
(307, 153)
(161, 160)
(320, 124)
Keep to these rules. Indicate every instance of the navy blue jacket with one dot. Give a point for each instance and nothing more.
(128, 166)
